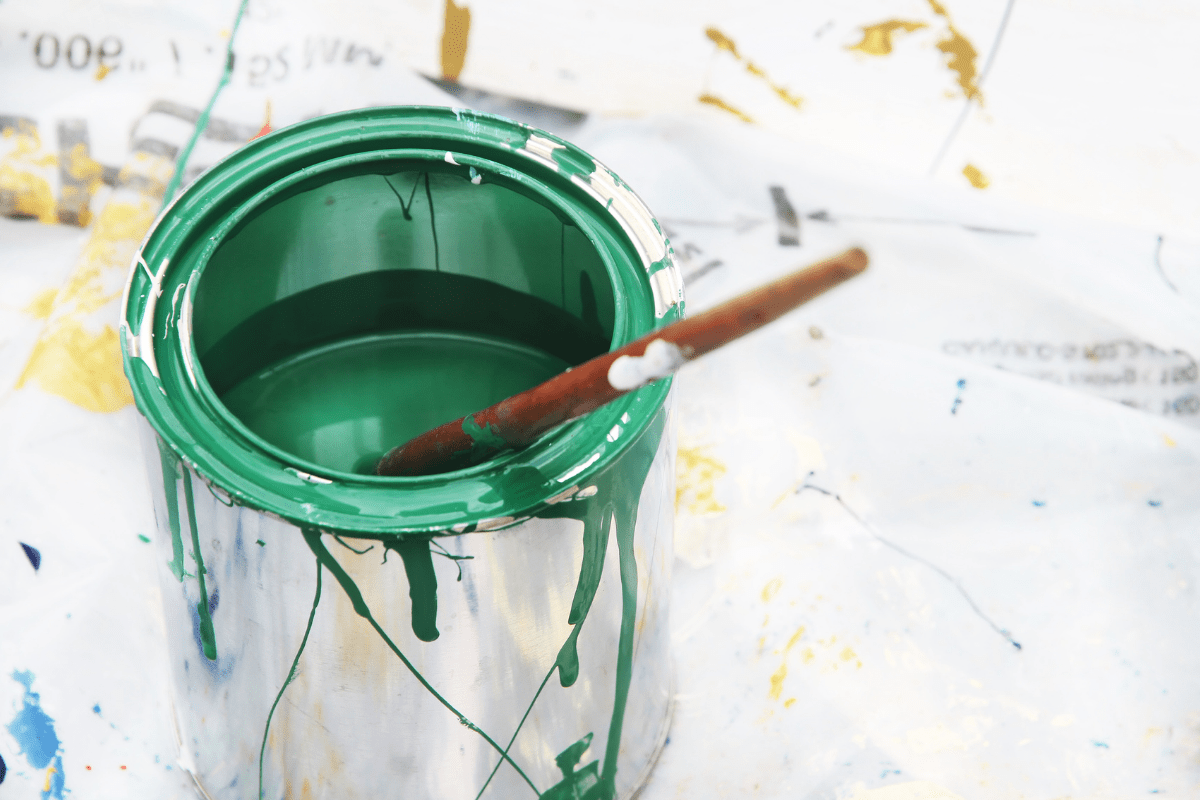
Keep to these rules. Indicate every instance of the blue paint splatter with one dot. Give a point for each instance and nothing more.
(1101, 744)
(1039, 503)
(34, 731)
(33, 555)
(3, 769)
(1154, 503)
(962, 384)
(96, 708)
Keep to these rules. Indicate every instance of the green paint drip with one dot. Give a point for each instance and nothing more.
(422, 584)
(576, 784)
(313, 537)
(624, 649)
(290, 677)
(170, 471)
(520, 725)
(208, 637)
(202, 120)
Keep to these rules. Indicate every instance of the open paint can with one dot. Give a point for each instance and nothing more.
(322, 295)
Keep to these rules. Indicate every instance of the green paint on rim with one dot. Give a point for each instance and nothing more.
(172, 390)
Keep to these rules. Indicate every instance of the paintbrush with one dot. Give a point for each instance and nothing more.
(522, 418)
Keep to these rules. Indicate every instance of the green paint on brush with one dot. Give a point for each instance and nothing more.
(208, 638)
(290, 677)
(485, 437)
(313, 537)
(170, 471)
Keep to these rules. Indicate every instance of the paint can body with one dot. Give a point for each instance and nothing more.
(497, 631)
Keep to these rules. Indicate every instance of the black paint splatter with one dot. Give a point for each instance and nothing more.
(3, 769)
(35, 558)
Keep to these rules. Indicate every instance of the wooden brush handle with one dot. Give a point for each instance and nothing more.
(518, 420)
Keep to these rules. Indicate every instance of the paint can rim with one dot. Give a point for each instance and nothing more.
(171, 391)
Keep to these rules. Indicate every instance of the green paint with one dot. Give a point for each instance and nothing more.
(208, 638)
(366, 549)
(202, 120)
(521, 724)
(144, 537)
(290, 677)
(260, 543)
(170, 471)
(314, 284)
(344, 405)
(576, 784)
(422, 584)
(313, 537)
(487, 438)
(285, 220)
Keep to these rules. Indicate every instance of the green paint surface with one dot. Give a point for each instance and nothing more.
(344, 405)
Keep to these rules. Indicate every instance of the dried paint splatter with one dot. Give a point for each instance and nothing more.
(713, 100)
(695, 481)
(976, 176)
(781, 674)
(34, 731)
(960, 54)
(456, 29)
(31, 552)
(71, 359)
(723, 42)
(877, 39)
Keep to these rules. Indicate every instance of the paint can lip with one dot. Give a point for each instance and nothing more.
(172, 393)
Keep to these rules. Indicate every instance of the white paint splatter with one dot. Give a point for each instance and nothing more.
(631, 372)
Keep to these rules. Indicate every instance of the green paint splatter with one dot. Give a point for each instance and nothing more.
(208, 638)
(576, 784)
(290, 677)
(260, 543)
(144, 538)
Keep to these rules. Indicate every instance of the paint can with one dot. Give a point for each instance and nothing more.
(322, 295)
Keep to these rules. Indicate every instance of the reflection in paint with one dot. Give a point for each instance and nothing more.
(34, 731)
(975, 176)
(877, 39)
(695, 481)
(960, 55)
(723, 42)
(31, 552)
(454, 40)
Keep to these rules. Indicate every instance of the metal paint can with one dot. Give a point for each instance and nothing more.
(515, 643)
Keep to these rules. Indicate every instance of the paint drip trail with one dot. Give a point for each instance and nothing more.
(34, 731)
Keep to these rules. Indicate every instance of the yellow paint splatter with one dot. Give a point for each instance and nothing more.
(789, 702)
(771, 589)
(723, 42)
(780, 674)
(777, 680)
(102, 72)
(975, 176)
(23, 191)
(808, 655)
(455, 31)
(69, 360)
(877, 39)
(49, 773)
(1169, 441)
(80, 367)
(42, 304)
(960, 54)
(849, 655)
(696, 475)
(713, 100)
